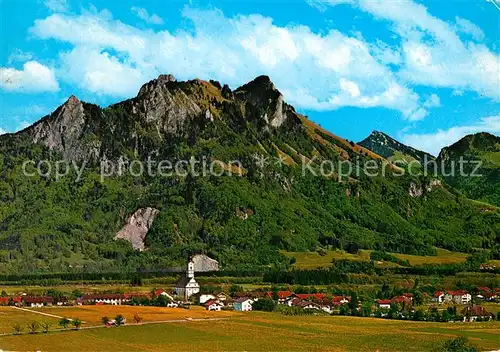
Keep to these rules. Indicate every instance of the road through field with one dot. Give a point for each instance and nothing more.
(41, 313)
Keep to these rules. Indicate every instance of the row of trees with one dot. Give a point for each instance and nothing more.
(34, 326)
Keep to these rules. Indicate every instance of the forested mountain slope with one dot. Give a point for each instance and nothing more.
(481, 171)
(270, 202)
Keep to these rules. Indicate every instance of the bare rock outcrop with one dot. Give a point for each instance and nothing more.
(203, 263)
(137, 227)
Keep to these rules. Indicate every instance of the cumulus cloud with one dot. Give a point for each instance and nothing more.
(33, 78)
(2, 131)
(315, 71)
(434, 142)
(56, 5)
(144, 15)
(433, 54)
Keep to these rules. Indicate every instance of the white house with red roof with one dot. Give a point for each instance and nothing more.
(458, 297)
(213, 305)
(383, 303)
(438, 297)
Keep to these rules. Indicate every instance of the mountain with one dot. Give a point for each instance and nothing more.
(195, 167)
(391, 149)
(480, 176)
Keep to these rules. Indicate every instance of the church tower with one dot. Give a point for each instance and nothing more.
(190, 270)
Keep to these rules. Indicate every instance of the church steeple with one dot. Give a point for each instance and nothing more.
(190, 269)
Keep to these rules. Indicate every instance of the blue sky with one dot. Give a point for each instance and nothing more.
(426, 73)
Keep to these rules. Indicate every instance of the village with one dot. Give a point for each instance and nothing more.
(445, 306)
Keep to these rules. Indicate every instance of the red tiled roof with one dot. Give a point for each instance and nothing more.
(408, 295)
(210, 302)
(438, 293)
(104, 296)
(483, 289)
(17, 299)
(4, 300)
(310, 295)
(281, 294)
(159, 292)
(477, 311)
(37, 299)
(457, 293)
(384, 301)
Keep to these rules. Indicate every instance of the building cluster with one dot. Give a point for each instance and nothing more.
(464, 297)
(243, 301)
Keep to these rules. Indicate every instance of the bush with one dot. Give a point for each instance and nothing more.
(459, 344)
(266, 305)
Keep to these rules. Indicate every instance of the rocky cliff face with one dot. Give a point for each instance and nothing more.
(163, 110)
(203, 263)
(137, 227)
(63, 131)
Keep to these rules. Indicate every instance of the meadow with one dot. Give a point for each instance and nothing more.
(258, 331)
(312, 260)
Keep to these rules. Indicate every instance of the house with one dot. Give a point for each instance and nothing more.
(311, 296)
(187, 286)
(308, 305)
(458, 297)
(206, 297)
(243, 304)
(404, 300)
(472, 313)
(340, 300)
(221, 297)
(161, 292)
(17, 301)
(37, 301)
(408, 296)
(438, 297)
(114, 299)
(213, 305)
(383, 303)
(282, 295)
(4, 301)
(172, 305)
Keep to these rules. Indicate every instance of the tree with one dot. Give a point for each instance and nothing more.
(77, 323)
(266, 305)
(33, 327)
(46, 326)
(17, 329)
(137, 318)
(459, 344)
(105, 320)
(64, 322)
(119, 320)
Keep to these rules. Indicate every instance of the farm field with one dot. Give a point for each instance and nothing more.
(10, 316)
(311, 260)
(258, 331)
(92, 315)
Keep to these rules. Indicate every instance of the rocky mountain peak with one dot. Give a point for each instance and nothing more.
(156, 83)
(262, 93)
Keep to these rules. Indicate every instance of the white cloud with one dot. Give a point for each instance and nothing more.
(433, 54)
(467, 27)
(144, 15)
(314, 71)
(432, 101)
(33, 78)
(2, 131)
(56, 5)
(434, 142)
(18, 55)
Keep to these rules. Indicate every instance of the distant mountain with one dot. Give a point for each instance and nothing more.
(478, 181)
(244, 217)
(389, 148)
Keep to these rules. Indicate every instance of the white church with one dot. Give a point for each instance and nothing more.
(187, 286)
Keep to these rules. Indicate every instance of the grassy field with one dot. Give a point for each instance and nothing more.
(257, 331)
(311, 260)
(10, 316)
(92, 315)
